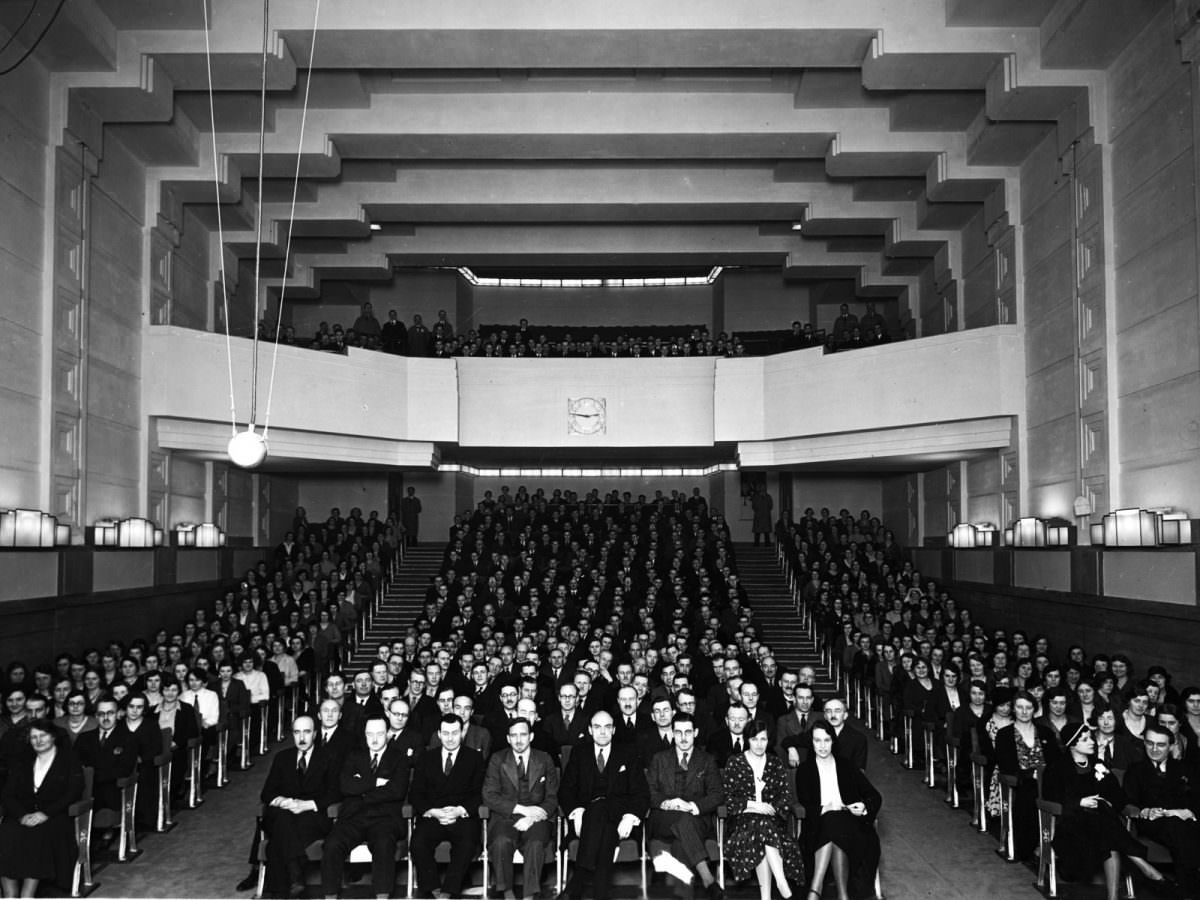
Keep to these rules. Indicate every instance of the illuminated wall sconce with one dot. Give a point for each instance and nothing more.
(160, 537)
(203, 535)
(105, 533)
(62, 535)
(963, 536)
(1176, 528)
(27, 528)
(1131, 528)
(1097, 534)
(135, 533)
(208, 535)
(1029, 532)
(1008, 536)
(1059, 533)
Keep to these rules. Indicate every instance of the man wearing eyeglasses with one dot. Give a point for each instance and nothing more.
(111, 753)
(1163, 800)
(567, 726)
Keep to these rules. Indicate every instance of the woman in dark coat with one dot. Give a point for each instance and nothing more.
(1021, 749)
(37, 836)
(1091, 836)
(757, 796)
(840, 806)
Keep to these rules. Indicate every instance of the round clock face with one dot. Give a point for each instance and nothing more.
(586, 415)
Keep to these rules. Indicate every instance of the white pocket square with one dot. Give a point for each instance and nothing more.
(542, 780)
(620, 770)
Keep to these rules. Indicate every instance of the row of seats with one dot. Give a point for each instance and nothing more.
(925, 743)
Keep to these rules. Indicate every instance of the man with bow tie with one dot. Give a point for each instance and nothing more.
(521, 790)
(374, 783)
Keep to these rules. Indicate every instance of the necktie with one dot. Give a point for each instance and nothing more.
(449, 763)
(521, 770)
(600, 761)
(103, 738)
(803, 721)
(683, 761)
(629, 721)
(1108, 754)
(302, 765)
(737, 745)
(374, 763)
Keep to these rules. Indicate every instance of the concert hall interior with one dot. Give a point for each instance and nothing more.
(919, 279)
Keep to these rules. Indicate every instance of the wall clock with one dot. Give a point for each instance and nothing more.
(586, 415)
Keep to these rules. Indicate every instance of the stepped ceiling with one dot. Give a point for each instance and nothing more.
(623, 136)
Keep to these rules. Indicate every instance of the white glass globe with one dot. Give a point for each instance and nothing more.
(247, 449)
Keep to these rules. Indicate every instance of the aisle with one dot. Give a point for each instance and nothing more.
(930, 850)
(205, 855)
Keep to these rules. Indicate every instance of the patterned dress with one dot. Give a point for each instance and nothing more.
(750, 833)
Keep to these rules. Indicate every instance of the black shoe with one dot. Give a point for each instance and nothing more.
(715, 892)
(250, 882)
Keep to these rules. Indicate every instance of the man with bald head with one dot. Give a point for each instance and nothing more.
(605, 797)
(295, 797)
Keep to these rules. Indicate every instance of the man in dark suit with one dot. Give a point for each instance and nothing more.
(111, 753)
(374, 783)
(402, 733)
(362, 704)
(295, 797)
(605, 796)
(567, 726)
(1166, 806)
(685, 791)
(474, 736)
(851, 744)
(659, 735)
(627, 723)
(332, 734)
(731, 739)
(447, 785)
(792, 742)
(521, 790)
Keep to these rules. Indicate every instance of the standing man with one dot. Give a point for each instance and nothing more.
(410, 516)
(447, 786)
(374, 783)
(521, 790)
(851, 744)
(605, 796)
(685, 791)
(394, 335)
(764, 523)
(295, 797)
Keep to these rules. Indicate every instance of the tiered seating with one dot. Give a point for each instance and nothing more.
(940, 745)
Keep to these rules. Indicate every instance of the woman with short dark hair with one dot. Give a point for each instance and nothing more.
(840, 806)
(37, 837)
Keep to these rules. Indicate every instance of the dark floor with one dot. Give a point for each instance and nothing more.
(929, 850)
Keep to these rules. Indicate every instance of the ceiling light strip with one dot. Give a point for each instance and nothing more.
(580, 281)
(589, 471)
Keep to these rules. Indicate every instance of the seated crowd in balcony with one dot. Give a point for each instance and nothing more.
(522, 340)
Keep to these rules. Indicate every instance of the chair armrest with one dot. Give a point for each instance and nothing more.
(193, 743)
(798, 810)
(333, 810)
(406, 811)
(1008, 780)
(722, 811)
(127, 781)
(484, 812)
(79, 807)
